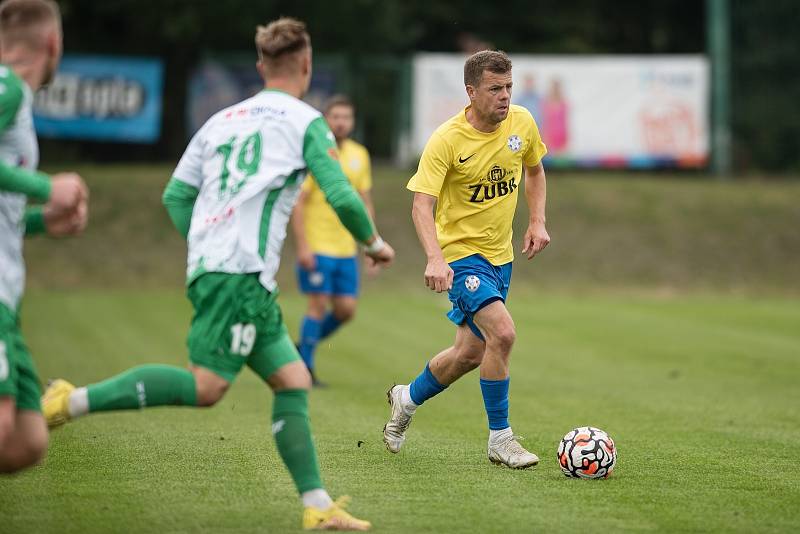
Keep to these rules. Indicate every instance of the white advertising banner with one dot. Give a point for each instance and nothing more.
(592, 111)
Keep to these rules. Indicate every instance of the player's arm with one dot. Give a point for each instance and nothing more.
(184, 187)
(305, 256)
(536, 236)
(179, 198)
(366, 198)
(65, 211)
(427, 184)
(438, 274)
(66, 194)
(318, 146)
(33, 184)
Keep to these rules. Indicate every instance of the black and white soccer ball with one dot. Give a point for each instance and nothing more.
(587, 452)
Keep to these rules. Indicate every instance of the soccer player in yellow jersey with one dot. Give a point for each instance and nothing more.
(327, 256)
(471, 171)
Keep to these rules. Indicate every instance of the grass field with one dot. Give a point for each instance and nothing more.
(700, 394)
(610, 232)
(665, 311)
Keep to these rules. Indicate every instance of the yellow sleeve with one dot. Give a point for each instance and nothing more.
(536, 149)
(308, 183)
(365, 175)
(433, 166)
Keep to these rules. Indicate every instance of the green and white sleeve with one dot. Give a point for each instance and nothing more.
(32, 184)
(16, 179)
(184, 187)
(179, 198)
(34, 220)
(318, 153)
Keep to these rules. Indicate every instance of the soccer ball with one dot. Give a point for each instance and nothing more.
(587, 452)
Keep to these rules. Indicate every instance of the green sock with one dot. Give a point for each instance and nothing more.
(292, 432)
(143, 386)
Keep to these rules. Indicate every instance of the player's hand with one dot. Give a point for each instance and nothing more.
(438, 275)
(371, 267)
(67, 191)
(382, 257)
(66, 223)
(536, 238)
(306, 259)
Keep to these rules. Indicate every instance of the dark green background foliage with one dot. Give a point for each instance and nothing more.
(765, 78)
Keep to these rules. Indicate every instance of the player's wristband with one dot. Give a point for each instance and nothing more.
(376, 246)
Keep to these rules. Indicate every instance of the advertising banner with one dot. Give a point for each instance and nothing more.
(102, 98)
(592, 111)
(219, 82)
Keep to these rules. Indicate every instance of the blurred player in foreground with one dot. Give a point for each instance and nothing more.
(30, 50)
(232, 194)
(471, 171)
(327, 256)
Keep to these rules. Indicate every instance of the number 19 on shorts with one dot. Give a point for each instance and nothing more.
(243, 337)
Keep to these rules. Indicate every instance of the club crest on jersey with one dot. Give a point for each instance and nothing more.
(514, 143)
(496, 174)
(472, 283)
(497, 183)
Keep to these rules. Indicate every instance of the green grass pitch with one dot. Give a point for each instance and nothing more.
(700, 393)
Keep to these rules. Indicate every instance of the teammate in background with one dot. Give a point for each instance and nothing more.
(30, 50)
(470, 171)
(232, 194)
(327, 256)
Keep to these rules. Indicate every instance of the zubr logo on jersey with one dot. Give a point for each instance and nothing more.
(497, 183)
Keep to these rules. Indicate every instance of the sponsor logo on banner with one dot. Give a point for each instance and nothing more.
(102, 98)
(590, 110)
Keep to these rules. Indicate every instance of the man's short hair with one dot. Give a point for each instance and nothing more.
(279, 41)
(19, 17)
(337, 100)
(495, 61)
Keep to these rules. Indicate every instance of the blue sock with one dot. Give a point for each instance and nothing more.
(309, 337)
(329, 325)
(495, 399)
(425, 386)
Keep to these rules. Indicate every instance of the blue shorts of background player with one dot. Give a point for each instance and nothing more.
(476, 284)
(333, 283)
(333, 276)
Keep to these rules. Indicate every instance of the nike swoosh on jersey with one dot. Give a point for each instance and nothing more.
(465, 159)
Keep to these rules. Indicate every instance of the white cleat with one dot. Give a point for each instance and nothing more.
(394, 431)
(510, 453)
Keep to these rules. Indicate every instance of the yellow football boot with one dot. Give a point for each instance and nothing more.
(334, 518)
(55, 402)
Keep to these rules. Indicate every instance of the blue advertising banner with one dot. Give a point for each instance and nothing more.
(102, 98)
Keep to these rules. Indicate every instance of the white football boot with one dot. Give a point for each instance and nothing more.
(509, 452)
(394, 431)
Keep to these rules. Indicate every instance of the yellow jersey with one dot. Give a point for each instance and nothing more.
(475, 177)
(324, 232)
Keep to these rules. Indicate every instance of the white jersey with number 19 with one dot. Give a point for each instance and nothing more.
(18, 148)
(247, 162)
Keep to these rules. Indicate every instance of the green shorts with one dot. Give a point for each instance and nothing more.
(18, 376)
(237, 321)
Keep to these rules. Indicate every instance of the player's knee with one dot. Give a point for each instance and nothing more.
(317, 307)
(209, 393)
(503, 337)
(19, 454)
(6, 428)
(36, 448)
(470, 358)
(344, 313)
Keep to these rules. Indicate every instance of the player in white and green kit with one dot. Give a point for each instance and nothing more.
(231, 195)
(30, 49)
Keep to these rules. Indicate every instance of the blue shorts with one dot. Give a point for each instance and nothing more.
(333, 276)
(476, 284)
